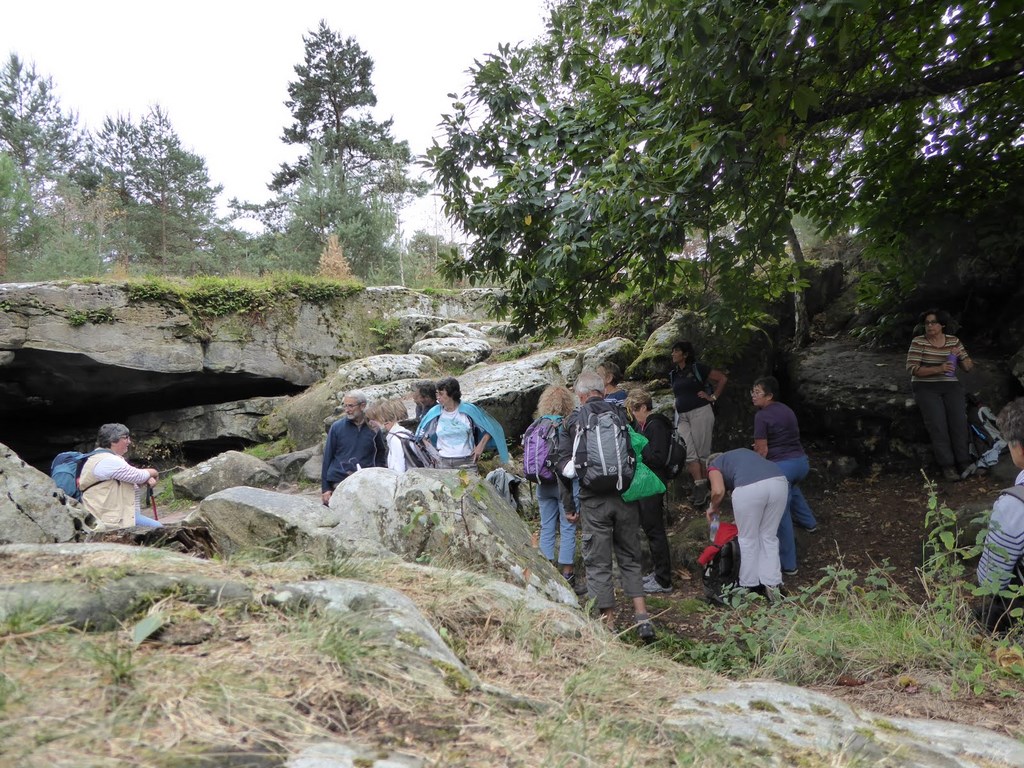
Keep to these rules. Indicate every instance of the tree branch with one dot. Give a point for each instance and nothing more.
(943, 82)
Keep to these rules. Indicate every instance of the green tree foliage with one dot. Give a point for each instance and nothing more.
(330, 103)
(35, 132)
(15, 203)
(326, 202)
(664, 148)
(39, 145)
(165, 202)
(352, 178)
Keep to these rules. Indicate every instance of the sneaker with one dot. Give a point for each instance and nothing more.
(649, 577)
(645, 631)
(812, 529)
(652, 587)
(950, 474)
(792, 572)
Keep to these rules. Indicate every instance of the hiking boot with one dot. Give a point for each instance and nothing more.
(652, 587)
(701, 494)
(949, 474)
(577, 585)
(645, 631)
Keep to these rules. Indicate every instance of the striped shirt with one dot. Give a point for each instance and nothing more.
(1004, 544)
(922, 352)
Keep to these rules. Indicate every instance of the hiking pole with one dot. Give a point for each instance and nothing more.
(152, 498)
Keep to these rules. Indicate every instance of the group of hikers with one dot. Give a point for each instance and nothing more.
(601, 459)
(598, 441)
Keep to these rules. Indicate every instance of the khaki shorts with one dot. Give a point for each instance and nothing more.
(696, 427)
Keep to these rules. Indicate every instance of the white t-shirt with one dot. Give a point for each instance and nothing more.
(454, 435)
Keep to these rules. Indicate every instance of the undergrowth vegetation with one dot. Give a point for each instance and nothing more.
(849, 628)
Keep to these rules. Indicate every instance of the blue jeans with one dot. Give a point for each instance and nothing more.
(797, 509)
(553, 524)
(147, 522)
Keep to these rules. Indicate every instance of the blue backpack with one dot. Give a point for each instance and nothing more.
(66, 468)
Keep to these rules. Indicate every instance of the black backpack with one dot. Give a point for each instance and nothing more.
(675, 456)
(601, 449)
(722, 572)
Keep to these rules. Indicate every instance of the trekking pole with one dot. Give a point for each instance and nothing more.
(152, 499)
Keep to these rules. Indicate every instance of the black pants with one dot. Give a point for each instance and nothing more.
(945, 417)
(652, 520)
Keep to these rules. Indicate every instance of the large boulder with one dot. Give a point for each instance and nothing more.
(859, 398)
(617, 350)
(206, 427)
(445, 516)
(303, 417)
(226, 470)
(510, 391)
(79, 355)
(241, 519)
(453, 352)
(32, 509)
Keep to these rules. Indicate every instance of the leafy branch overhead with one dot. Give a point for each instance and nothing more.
(664, 148)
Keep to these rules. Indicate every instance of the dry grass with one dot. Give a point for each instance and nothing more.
(277, 679)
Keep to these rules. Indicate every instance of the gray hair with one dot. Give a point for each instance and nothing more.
(589, 381)
(358, 395)
(110, 434)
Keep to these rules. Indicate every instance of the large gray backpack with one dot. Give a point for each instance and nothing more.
(601, 449)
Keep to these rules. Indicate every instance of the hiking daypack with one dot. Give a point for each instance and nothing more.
(723, 571)
(538, 447)
(419, 451)
(675, 456)
(601, 450)
(66, 468)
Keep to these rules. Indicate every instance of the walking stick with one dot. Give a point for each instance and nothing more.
(152, 498)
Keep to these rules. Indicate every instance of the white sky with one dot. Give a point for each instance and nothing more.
(221, 68)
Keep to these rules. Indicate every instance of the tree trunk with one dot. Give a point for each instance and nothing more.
(801, 329)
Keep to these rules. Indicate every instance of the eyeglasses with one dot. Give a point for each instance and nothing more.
(350, 405)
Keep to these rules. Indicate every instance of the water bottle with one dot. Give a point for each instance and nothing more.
(713, 527)
(954, 360)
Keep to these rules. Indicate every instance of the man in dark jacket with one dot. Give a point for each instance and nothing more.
(351, 445)
(608, 523)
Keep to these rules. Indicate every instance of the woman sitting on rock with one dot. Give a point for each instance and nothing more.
(461, 431)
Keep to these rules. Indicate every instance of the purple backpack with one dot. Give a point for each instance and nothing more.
(538, 444)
